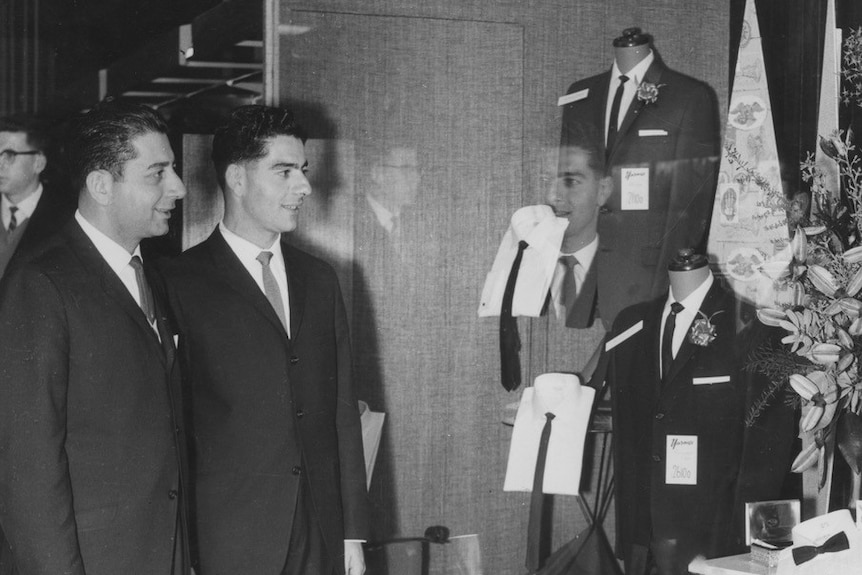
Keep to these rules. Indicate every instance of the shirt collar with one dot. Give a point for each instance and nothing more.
(637, 73)
(695, 299)
(113, 253)
(26, 207)
(586, 254)
(246, 250)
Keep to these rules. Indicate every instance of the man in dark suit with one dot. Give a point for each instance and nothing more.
(278, 466)
(31, 210)
(91, 444)
(686, 460)
(579, 188)
(661, 149)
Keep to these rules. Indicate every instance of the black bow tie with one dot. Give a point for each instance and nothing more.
(837, 542)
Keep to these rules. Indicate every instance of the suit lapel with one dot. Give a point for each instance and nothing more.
(230, 269)
(652, 75)
(296, 288)
(108, 280)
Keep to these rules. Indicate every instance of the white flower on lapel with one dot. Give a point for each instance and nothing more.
(703, 332)
(648, 92)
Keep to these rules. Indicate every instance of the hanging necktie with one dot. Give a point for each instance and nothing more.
(510, 341)
(13, 221)
(569, 290)
(537, 500)
(667, 338)
(144, 291)
(614, 120)
(270, 287)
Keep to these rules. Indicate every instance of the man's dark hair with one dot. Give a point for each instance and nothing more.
(38, 130)
(102, 138)
(244, 137)
(587, 138)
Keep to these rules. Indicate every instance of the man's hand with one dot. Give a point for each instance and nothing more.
(354, 559)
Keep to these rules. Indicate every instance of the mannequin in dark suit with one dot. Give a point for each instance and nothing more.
(667, 512)
(278, 466)
(19, 180)
(676, 138)
(91, 436)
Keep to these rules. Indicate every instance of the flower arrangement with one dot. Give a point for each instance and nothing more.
(821, 355)
(823, 321)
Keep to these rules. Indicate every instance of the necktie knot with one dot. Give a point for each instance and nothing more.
(676, 307)
(569, 261)
(550, 416)
(623, 78)
(264, 257)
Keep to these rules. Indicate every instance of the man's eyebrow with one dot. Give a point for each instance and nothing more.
(283, 165)
(157, 165)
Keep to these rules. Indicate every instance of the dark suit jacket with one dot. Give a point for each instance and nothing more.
(732, 464)
(265, 408)
(90, 435)
(55, 208)
(635, 246)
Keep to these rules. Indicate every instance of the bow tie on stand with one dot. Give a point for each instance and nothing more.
(834, 544)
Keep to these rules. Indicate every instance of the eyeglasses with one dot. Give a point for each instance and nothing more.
(8, 157)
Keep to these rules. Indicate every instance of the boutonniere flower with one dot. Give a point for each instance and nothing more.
(648, 92)
(703, 332)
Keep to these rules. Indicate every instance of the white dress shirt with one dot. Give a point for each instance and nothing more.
(114, 254)
(585, 257)
(630, 88)
(26, 207)
(684, 319)
(247, 253)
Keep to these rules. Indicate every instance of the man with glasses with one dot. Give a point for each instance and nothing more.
(30, 209)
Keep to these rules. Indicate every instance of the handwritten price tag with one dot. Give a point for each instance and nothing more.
(681, 460)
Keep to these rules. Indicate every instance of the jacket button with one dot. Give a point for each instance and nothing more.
(297, 470)
(172, 494)
(299, 413)
(659, 416)
(656, 458)
(294, 360)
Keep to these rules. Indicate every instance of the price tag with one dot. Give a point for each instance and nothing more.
(681, 460)
(634, 192)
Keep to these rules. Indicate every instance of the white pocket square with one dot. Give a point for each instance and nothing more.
(711, 380)
(647, 133)
(573, 97)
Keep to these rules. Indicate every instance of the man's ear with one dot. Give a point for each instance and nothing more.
(40, 163)
(235, 179)
(100, 187)
(606, 186)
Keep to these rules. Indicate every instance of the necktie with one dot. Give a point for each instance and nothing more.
(537, 500)
(667, 338)
(569, 290)
(614, 119)
(510, 341)
(13, 221)
(270, 287)
(144, 290)
(834, 544)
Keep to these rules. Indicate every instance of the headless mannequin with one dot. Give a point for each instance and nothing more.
(630, 48)
(686, 271)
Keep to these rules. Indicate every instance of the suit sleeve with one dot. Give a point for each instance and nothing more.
(351, 459)
(35, 488)
(695, 170)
